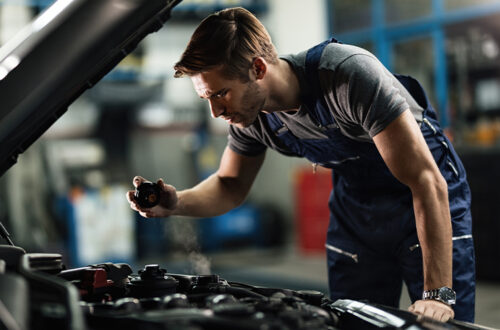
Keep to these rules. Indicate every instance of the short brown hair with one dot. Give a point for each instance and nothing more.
(232, 38)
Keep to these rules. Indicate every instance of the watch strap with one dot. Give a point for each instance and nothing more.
(443, 294)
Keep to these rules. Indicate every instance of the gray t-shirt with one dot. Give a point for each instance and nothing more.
(362, 96)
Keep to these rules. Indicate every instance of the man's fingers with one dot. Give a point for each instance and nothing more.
(442, 315)
(147, 214)
(138, 180)
(427, 312)
(134, 207)
(133, 203)
(447, 315)
(432, 309)
(168, 200)
(165, 187)
(416, 308)
(130, 196)
(419, 310)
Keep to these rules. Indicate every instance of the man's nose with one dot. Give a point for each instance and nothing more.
(216, 109)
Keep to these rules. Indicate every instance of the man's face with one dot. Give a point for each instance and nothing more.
(236, 102)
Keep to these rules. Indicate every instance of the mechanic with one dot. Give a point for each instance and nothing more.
(400, 206)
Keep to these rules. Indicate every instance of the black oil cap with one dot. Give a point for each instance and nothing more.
(147, 194)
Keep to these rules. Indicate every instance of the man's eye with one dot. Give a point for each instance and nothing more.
(220, 94)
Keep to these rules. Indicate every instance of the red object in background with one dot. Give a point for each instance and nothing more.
(312, 191)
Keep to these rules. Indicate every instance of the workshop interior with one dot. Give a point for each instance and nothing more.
(88, 100)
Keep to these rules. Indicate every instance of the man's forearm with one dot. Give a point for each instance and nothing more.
(211, 197)
(432, 217)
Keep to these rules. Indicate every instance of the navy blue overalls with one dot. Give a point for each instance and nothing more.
(372, 243)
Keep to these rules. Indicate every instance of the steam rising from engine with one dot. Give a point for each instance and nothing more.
(185, 237)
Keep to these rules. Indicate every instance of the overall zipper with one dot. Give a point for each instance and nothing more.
(413, 247)
(335, 162)
(340, 251)
(428, 123)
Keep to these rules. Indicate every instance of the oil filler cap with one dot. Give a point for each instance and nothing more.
(147, 194)
(152, 281)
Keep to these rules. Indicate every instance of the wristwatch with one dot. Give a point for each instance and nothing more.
(443, 294)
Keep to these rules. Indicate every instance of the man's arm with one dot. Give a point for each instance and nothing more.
(407, 155)
(222, 191)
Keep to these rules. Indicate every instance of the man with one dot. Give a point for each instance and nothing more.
(399, 194)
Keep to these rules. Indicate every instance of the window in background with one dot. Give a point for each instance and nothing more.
(13, 17)
(397, 11)
(460, 4)
(199, 9)
(368, 45)
(473, 52)
(414, 57)
(349, 15)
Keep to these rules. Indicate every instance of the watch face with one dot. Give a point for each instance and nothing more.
(447, 295)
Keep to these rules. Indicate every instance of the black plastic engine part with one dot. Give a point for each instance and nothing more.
(176, 300)
(311, 297)
(152, 282)
(46, 262)
(15, 307)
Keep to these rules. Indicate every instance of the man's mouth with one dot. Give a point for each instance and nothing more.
(230, 120)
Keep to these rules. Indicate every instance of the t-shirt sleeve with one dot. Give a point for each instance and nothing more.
(241, 141)
(367, 95)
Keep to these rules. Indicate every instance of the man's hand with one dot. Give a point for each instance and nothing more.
(433, 309)
(167, 205)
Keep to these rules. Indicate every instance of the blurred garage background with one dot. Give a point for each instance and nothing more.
(67, 192)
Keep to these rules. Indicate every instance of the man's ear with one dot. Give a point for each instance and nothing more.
(259, 67)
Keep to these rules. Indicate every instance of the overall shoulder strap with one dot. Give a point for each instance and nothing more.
(319, 114)
(417, 92)
(314, 102)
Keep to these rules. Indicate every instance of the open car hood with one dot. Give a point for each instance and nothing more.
(61, 53)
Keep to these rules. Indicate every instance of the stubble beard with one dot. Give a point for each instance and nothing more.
(254, 98)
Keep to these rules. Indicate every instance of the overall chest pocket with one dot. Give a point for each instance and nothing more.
(335, 151)
(344, 155)
(330, 155)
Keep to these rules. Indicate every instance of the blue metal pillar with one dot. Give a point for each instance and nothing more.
(382, 47)
(440, 76)
(440, 65)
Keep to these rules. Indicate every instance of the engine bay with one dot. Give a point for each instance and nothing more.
(38, 292)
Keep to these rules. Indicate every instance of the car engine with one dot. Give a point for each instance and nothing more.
(38, 292)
